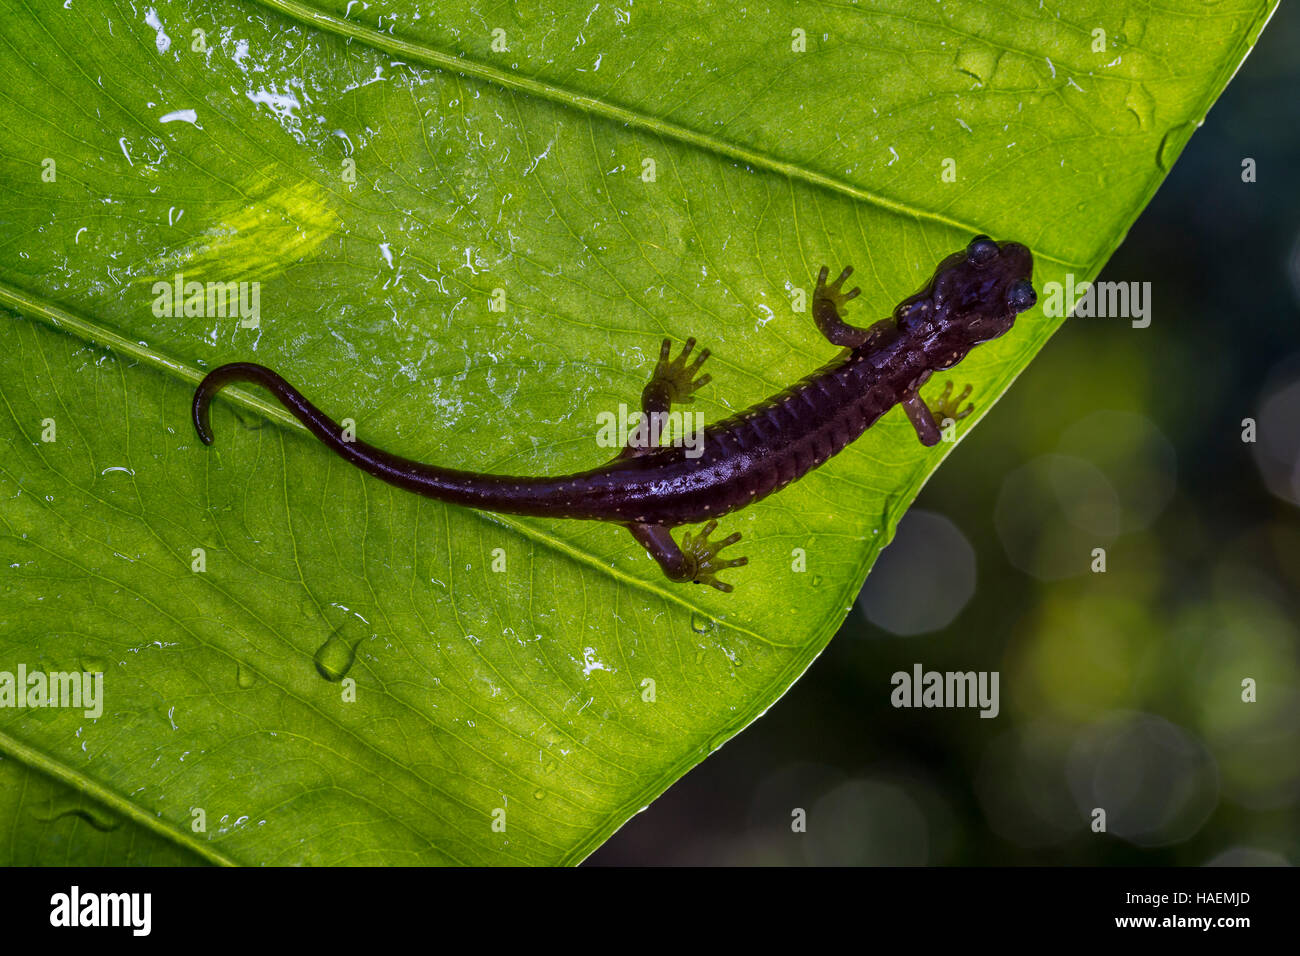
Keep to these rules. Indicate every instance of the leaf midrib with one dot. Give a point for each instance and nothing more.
(109, 798)
(594, 105)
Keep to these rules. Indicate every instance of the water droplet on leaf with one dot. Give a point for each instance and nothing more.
(1141, 104)
(335, 657)
(977, 62)
(1173, 144)
(97, 817)
(701, 624)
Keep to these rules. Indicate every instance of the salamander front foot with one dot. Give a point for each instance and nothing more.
(828, 310)
(702, 561)
(947, 407)
(929, 420)
(834, 293)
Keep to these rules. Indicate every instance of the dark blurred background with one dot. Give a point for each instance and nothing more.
(1120, 690)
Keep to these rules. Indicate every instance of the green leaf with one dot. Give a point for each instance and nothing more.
(214, 140)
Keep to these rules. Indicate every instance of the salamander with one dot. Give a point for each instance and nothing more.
(973, 296)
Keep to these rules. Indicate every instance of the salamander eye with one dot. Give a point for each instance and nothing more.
(1021, 296)
(981, 250)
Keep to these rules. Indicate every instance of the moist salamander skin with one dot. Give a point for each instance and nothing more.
(973, 296)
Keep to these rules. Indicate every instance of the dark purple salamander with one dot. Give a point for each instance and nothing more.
(973, 296)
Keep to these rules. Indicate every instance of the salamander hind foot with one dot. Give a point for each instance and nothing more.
(702, 559)
(674, 378)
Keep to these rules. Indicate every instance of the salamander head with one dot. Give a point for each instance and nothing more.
(973, 296)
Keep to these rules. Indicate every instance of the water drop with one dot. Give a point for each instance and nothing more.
(701, 624)
(94, 665)
(334, 658)
(539, 794)
(1141, 104)
(245, 676)
(62, 807)
(977, 62)
(1173, 144)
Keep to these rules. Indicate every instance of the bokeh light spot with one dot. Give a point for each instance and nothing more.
(1052, 512)
(923, 579)
(1157, 783)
